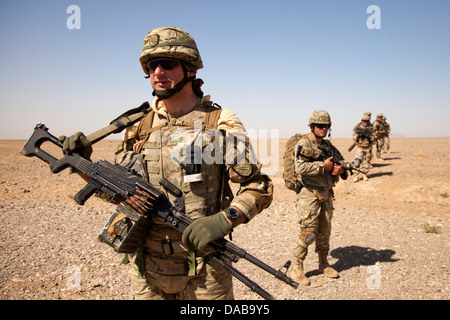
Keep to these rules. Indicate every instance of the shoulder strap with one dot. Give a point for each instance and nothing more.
(144, 129)
(212, 115)
(121, 122)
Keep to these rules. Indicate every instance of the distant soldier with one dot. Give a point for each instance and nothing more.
(316, 177)
(387, 143)
(366, 115)
(363, 137)
(379, 130)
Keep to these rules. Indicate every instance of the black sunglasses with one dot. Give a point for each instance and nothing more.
(165, 63)
(322, 126)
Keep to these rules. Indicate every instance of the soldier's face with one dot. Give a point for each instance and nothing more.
(321, 130)
(164, 77)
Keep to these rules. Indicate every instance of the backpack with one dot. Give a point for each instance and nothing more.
(289, 176)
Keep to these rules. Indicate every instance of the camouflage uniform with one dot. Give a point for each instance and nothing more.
(363, 156)
(315, 200)
(387, 142)
(165, 269)
(380, 130)
(367, 115)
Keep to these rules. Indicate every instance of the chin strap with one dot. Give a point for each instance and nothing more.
(167, 93)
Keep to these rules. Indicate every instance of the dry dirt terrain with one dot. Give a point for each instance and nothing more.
(49, 248)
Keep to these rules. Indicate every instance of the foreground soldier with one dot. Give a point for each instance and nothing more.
(172, 265)
(315, 199)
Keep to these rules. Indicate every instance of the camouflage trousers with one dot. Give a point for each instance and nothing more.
(315, 211)
(380, 145)
(363, 156)
(387, 145)
(166, 278)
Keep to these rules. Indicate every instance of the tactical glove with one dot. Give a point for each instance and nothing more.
(204, 230)
(77, 143)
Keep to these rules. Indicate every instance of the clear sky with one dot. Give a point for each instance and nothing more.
(271, 62)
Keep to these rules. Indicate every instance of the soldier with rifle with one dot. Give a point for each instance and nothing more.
(380, 131)
(363, 140)
(317, 174)
(387, 141)
(169, 144)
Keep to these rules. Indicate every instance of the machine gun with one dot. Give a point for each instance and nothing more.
(126, 186)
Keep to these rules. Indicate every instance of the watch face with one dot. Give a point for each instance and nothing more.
(232, 214)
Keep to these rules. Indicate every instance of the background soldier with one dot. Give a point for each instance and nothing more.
(315, 199)
(363, 137)
(172, 265)
(379, 130)
(387, 142)
(366, 115)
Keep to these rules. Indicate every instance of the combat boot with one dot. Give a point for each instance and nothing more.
(298, 274)
(325, 268)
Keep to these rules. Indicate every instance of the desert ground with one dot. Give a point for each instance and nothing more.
(379, 243)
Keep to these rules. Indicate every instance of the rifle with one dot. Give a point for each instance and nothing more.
(122, 184)
(337, 159)
(364, 133)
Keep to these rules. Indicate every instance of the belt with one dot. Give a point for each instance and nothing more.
(166, 246)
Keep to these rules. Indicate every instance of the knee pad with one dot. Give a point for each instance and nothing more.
(308, 236)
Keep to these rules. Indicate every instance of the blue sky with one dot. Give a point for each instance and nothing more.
(271, 62)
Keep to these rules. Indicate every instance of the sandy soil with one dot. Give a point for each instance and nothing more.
(49, 247)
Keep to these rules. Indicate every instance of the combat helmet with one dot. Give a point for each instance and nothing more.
(319, 117)
(172, 42)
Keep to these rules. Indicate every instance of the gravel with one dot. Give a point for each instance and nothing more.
(49, 247)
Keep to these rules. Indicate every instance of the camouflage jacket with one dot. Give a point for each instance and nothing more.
(309, 165)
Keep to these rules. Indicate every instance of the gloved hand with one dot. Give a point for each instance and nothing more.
(77, 143)
(204, 230)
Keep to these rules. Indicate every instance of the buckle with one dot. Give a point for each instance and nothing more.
(167, 248)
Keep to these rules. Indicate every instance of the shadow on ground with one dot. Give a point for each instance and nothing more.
(355, 256)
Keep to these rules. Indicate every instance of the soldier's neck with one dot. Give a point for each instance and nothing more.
(316, 139)
(181, 103)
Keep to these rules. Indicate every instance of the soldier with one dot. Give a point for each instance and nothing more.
(363, 137)
(379, 130)
(366, 115)
(172, 265)
(387, 142)
(314, 204)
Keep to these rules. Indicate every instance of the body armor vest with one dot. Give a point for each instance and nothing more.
(182, 144)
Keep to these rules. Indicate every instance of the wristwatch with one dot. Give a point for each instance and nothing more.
(233, 215)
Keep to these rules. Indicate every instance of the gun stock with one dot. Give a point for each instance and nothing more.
(352, 147)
